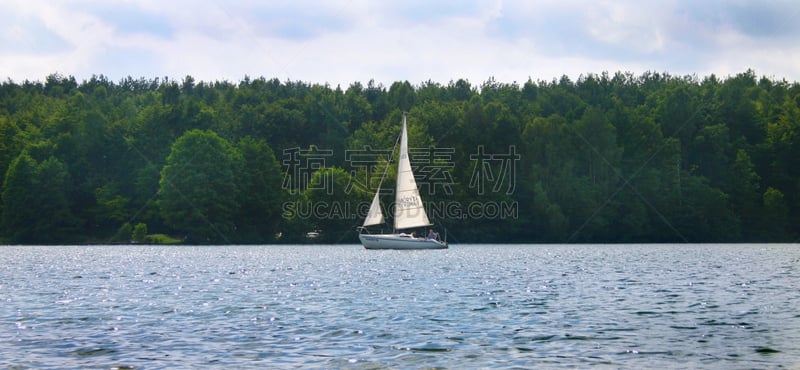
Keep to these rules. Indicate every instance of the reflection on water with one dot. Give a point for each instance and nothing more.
(492, 306)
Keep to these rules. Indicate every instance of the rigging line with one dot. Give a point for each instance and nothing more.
(389, 161)
(385, 170)
(449, 233)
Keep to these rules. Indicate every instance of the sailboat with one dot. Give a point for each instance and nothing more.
(409, 211)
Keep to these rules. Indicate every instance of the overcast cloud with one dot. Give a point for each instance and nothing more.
(340, 42)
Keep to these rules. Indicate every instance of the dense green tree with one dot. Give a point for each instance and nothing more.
(139, 233)
(356, 108)
(744, 194)
(110, 208)
(376, 97)
(261, 196)
(198, 193)
(736, 107)
(604, 158)
(775, 217)
(679, 112)
(782, 168)
(461, 90)
(35, 203)
(333, 206)
(19, 211)
(704, 214)
(401, 96)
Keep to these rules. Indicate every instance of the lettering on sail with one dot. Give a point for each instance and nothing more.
(408, 202)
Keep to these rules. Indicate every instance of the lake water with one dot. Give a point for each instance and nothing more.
(471, 306)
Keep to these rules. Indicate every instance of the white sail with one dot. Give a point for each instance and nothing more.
(408, 209)
(374, 216)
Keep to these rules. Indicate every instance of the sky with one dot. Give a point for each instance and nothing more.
(342, 42)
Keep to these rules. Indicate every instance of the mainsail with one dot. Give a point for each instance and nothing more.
(409, 211)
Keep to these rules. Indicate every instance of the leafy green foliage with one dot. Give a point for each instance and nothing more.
(198, 194)
(260, 194)
(332, 204)
(35, 202)
(604, 158)
(139, 233)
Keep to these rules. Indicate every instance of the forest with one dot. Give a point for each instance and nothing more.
(606, 158)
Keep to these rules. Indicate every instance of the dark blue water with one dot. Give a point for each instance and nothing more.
(475, 306)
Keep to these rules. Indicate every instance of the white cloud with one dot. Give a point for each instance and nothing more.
(343, 42)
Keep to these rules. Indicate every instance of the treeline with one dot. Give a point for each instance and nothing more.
(604, 159)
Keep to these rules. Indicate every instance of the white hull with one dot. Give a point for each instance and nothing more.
(409, 212)
(398, 241)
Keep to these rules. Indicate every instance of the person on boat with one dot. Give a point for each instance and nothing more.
(413, 234)
(433, 235)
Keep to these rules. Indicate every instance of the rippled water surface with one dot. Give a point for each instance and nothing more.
(472, 306)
